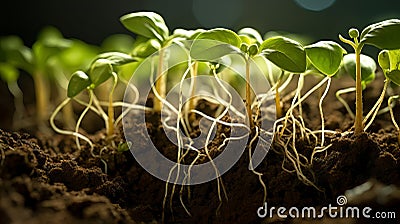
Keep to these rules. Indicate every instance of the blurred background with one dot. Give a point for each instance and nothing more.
(93, 20)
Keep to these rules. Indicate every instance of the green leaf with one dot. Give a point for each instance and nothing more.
(115, 58)
(286, 53)
(8, 73)
(118, 42)
(78, 82)
(252, 33)
(15, 53)
(146, 48)
(326, 56)
(50, 43)
(389, 60)
(214, 44)
(101, 70)
(187, 34)
(384, 60)
(368, 67)
(77, 57)
(394, 76)
(221, 35)
(383, 35)
(147, 24)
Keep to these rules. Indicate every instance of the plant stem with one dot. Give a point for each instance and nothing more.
(110, 112)
(345, 104)
(192, 100)
(248, 95)
(392, 116)
(42, 101)
(278, 107)
(161, 81)
(358, 124)
(377, 106)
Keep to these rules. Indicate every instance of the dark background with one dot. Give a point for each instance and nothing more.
(93, 20)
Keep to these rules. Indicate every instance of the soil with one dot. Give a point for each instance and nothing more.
(46, 179)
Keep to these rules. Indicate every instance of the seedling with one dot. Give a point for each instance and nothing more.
(389, 61)
(10, 75)
(35, 61)
(100, 71)
(325, 57)
(368, 67)
(379, 35)
(152, 27)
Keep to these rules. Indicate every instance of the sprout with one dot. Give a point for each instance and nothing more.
(381, 36)
(389, 61)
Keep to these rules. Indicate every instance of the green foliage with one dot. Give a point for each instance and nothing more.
(147, 24)
(389, 61)
(326, 56)
(368, 67)
(16, 53)
(286, 53)
(382, 35)
(253, 35)
(8, 72)
(118, 42)
(78, 82)
(213, 44)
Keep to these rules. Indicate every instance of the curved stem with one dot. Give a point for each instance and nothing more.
(66, 132)
(377, 105)
(392, 116)
(321, 111)
(345, 104)
(78, 122)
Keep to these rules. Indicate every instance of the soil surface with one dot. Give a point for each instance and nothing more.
(46, 179)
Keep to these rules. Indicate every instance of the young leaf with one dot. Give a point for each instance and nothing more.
(252, 33)
(100, 71)
(147, 48)
(383, 35)
(221, 35)
(286, 53)
(326, 56)
(368, 67)
(78, 82)
(118, 42)
(16, 53)
(8, 73)
(389, 60)
(394, 76)
(214, 44)
(147, 24)
(115, 58)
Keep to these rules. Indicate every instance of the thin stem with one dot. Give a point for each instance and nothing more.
(392, 116)
(110, 130)
(358, 124)
(78, 122)
(278, 107)
(248, 94)
(345, 104)
(42, 101)
(322, 113)
(375, 109)
(65, 132)
(18, 102)
(161, 81)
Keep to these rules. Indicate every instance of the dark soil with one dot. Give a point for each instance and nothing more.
(45, 179)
